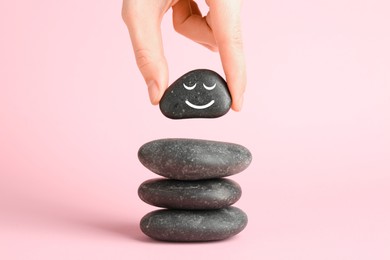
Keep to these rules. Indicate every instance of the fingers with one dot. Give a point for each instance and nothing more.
(188, 21)
(225, 19)
(143, 23)
(220, 29)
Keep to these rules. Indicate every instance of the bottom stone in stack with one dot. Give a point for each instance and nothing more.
(193, 225)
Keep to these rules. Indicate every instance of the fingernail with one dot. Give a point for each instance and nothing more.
(154, 92)
(239, 103)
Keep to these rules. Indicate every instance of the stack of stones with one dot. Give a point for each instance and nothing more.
(197, 197)
(194, 191)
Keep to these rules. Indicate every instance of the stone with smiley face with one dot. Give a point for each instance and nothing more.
(199, 93)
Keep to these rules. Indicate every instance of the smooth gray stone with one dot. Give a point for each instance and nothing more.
(192, 226)
(199, 93)
(201, 194)
(194, 159)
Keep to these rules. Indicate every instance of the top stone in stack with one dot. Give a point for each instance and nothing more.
(199, 93)
(194, 159)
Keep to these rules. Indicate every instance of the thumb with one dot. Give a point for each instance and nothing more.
(145, 34)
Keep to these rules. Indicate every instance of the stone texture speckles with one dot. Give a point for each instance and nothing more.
(201, 194)
(193, 159)
(193, 226)
(199, 93)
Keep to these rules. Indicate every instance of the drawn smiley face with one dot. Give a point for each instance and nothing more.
(197, 94)
(200, 106)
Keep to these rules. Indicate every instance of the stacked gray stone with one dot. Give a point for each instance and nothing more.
(196, 195)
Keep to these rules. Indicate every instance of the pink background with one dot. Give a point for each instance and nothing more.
(74, 110)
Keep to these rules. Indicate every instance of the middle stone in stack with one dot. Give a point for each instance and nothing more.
(197, 197)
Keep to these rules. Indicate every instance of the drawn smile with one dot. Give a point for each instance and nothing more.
(201, 106)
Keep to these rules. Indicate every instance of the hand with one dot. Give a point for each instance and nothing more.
(219, 30)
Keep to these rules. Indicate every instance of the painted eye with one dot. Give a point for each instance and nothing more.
(189, 87)
(209, 88)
